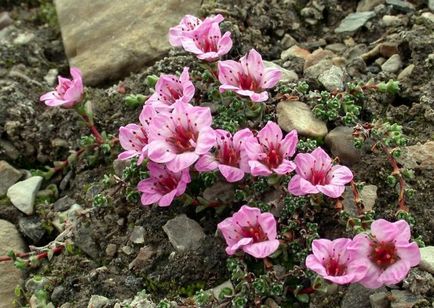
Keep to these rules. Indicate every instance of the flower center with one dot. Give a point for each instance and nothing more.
(319, 177)
(183, 138)
(254, 232)
(334, 268)
(166, 184)
(63, 87)
(383, 254)
(175, 93)
(228, 155)
(208, 43)
(273, 158)
(246, 82)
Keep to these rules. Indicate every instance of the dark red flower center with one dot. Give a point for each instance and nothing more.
(274, 157)
(227, 154)
(254, 232)
(207, 43)
(334, 267)
(246, 82)
(166, 184)
(183, 138)
(383, 254)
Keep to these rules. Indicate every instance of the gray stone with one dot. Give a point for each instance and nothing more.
(314, 71)
(145, 253)
(405, 299)
(184, 233)
(287, 75)
(10, 239)
(32, 228)
(111, 250)
(138, 235)
(294, 51)
(5, 20)
(318, 56)
(219, 191)
(418, 156)
(428, 19)
(84, 240)
(8, 150)
(337, 48)
(8, 176)
(97, 301)
(431, 5)
(341, 143)
(36, 283)
(332, 79)
(129, 34)
(24, 38)
(68, 216)
(63, 204)
(354, 22)
(368, 5)
(119, 166)
(393, 21)
(297, 115)
(368, 194)
(406, 72)
(217, 290)
(57, 293)
(51, 76)
(23, 193)
(401, 5)
(379, 300)
(392, 65)
(427, 259)
(128, 250)
(288, 41)
(38, 302)
(357, 296)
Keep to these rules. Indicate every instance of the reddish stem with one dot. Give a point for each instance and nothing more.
(357, 201)
(39, 256)
(397, 172)
(99, 139)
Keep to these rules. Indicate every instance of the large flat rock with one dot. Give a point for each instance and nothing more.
(109, 39)
(10, 276)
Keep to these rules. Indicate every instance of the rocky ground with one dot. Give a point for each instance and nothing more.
(120, 254)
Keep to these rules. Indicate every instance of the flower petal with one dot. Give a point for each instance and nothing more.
(262, 249)
(231, 174)
(298, 186)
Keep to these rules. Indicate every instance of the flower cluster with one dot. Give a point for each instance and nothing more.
(382, 257)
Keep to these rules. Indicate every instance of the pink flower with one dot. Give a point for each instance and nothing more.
(188, 26)
(163, 185)
(134, 138)
(333, 261)
(250, 230)
(171, 89)
(269, 153)
(68, 92)
(387, 251)
(248, 77)
(316, 173)
(207, 43)
(181, 136)
(229, 157)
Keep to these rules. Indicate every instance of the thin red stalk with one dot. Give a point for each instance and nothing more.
(99, 139)
(397, 172)
(357, 201)
(65, 163)
(39, 256)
